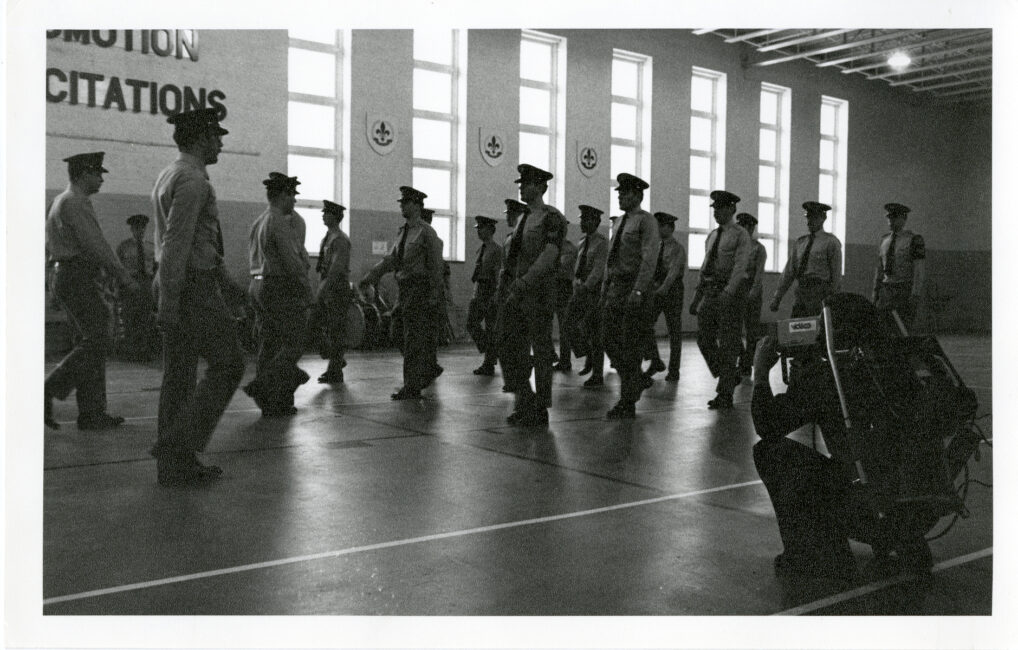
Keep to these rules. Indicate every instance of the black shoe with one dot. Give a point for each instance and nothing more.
(720, 402)
(621, 411)
(561, 366)
(211, 470)
(656, 366)
(586, 370)
(279, 411)
(99, 422)
(507, 389)
(179, 472)
(256, 392)
(646, 381)
(672, 376)
(528, 417)
(335, 377)
(438, 371)
(485, 370)
(594, 382)
(406, 393)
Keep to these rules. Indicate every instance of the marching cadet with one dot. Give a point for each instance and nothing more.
(900, 276)
(417, 263)
(443, 326)
(719, 297)
(192, 312)
(815, 261)
(566, 269)
(582, 316)
(281, 292)
(137, 310)
(632, 255)
(483, 309)
(513, 210)
(75, 243)
(334, 293)
(531, 270)
(754, 298)
(667, 296)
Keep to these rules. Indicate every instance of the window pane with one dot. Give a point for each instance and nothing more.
(702, 94)
(827, 115)
(317, 176)
(432, 91)
(768, 145)
(826, 154)
(766, 218)
(535, 149)
(826, 189)
(625, 78)
(768, 108)
(318, 34)
(623, 160)
(766, 185)
(535, 60)
(535, 107)
(700, 136)
(315, 227)
(700, 213)
(313, 73)
(769, 245)
(697, 241)
(433, 45)
(311, 125)
(432, 139)
(443, 227)
(437, 184)
(699, 173)
(624, 121)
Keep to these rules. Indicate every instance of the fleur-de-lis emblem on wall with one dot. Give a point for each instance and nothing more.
(383, 134)
(588, 158)
(491, 144)
(493, 147)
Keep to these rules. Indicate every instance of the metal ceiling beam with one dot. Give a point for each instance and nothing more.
(838, 48)
(942, 38)
(777, 45)
(942, 75)
(956, 82)
(923, 55)
(757, 34)
(976, 96)
(962, 91)
(701, 32)
(939, 65)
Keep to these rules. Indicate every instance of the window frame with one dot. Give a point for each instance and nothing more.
(643, 105)
(782, 149)
(718, 117)
(839, 139)
(555, 132)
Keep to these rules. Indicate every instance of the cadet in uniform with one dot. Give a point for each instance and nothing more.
(137, 310)
(900, 277)
(192, 312)
(443, 326)
(417, 263)
(583, 318)
(720, 297)
(513, 210)
(667, 296)
(632, 256)
(815, 261)
(754, 298)
(531, 271)
(281, 292)
(566, 269)
(483, 309)
(334, 293)
(74, 241)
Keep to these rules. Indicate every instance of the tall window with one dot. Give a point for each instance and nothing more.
(775, 143)
(318, 123)
(543, 107)
(439, 131)
(708, 96)
(630, 134)
(833, 163)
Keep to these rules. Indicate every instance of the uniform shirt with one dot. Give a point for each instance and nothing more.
(674, 264)
(757, 264)
(422, 258)
(335, 259)
(72, 230)
(485, 274)
(732, 263)
(636, 255)
(535, 264)
(592, 271)
(276, 246)
(567, 261)
(187, 232)
(824, 262)
(909, 261)
(127, 252)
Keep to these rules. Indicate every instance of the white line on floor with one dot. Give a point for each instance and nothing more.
(374, 547)
(877, 586)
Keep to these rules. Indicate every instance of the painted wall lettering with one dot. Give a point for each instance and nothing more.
(161, 42)
(135, 95)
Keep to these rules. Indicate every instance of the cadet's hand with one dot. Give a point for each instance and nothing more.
(765, 358)
(634, 301)
(775, 304)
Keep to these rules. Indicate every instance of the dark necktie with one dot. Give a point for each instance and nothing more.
(660, 271)
(712, 257)
(616, 239)
(581, 266)
(889, 264)
(477, 266)
(517, 241)
(399, 249)
(219, 241)
(141, 257)
(804, 262)
(320, 267)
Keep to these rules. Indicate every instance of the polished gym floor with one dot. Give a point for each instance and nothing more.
(359, 505)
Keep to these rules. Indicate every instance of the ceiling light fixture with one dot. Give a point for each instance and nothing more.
(898, 60)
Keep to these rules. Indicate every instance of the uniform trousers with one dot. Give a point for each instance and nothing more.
(482, 312)
(78, 289)
(522, 328)
(898, 297)
(809, 297)
(751, 329)
(624, 337)
(282, 310)
(583, 322)
(137, 311)
(189, 409)
(719, 337)
(563, 294)
(419, 315)
(670, 305)
(334, 306)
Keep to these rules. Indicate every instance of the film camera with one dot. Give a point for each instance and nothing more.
(796, 338)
